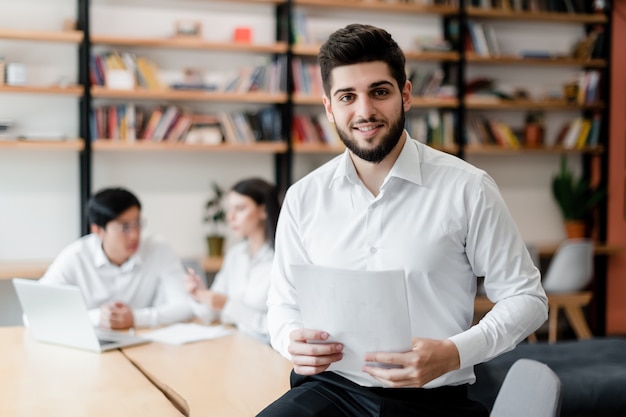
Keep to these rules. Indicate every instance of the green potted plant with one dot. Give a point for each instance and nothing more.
(576, 198)
(215, 214)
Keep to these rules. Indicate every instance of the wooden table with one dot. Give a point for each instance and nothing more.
(37, 379)
(233, 376)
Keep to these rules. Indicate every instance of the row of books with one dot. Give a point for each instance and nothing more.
(426, 83)
(484, 131)
(588, 86)
(433, 127)
(269, 76)
(592, 45)
(126, 70)
(170, 123)
(578, 133)
(481, 39)
(307, 78)
(314, 129)
(556, 6)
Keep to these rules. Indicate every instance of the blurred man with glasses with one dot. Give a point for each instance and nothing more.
(128, 280)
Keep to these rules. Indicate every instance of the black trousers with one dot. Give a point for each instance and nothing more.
(330, 395)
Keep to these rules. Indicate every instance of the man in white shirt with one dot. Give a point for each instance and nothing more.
(126, 280)
(390, 202)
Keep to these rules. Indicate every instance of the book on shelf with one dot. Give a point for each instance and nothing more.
(181, 127)
(329, 133)
(152, 123)
(166, 122)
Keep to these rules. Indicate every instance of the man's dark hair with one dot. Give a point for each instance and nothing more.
(108, 204)
(358, 43)
(263, 194)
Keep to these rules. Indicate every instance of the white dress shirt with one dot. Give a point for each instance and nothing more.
(438, 218)
(245, 281)
(151, 282)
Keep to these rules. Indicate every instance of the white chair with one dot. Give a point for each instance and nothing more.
(569, 272)
(530, 389)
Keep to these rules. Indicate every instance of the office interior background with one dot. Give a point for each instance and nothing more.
(43, 179)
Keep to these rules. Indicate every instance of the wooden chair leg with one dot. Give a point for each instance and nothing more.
(553, 323)
(577, 321)
(532, 338)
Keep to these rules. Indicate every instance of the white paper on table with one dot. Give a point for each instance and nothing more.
(367, 311)
(181, 333)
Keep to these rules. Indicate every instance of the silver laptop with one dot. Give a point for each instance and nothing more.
(57, 314)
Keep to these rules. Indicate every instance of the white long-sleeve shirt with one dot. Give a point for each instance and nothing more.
(151, 282)
(440, 220)
(245, 281)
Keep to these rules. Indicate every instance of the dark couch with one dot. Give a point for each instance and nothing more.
(592, 373)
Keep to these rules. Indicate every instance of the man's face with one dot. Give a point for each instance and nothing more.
(367, 108)
(120, 237)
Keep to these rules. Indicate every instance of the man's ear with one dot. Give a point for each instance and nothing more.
(328, 108)
(95, 229)
(406, 95)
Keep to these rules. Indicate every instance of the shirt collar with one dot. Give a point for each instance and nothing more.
(406, 167)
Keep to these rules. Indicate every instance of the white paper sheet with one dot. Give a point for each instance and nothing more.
(181, 333)
(367, 311)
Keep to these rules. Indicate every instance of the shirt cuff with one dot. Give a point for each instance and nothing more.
(145, 317)
(471, 345)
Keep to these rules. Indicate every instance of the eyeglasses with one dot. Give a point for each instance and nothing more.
(127, 227)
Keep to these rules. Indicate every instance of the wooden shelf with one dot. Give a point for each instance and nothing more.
(313, 50)
(380, 6)
(518, 60)
(437, 102)
(500, 150)
(186, 95)
(140, 146)
(69, 36)
(182, 42)
(72, 90)
(64, 145)
(317, 148)
(499, 104)
(536, 16)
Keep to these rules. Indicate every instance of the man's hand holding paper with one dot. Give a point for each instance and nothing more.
(354, 313)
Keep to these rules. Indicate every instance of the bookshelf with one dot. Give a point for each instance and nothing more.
(175, 177)
(185, 170)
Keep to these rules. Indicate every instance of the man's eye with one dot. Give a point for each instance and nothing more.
(345, 98)
(380, 93)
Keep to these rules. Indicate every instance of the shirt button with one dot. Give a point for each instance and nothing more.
(373, 250)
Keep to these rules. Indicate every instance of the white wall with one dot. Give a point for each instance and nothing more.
(39, 205)
(39, 190)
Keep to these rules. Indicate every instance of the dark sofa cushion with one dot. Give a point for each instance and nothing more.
(592, 373)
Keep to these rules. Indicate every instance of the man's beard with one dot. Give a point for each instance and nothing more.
(377, 154)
